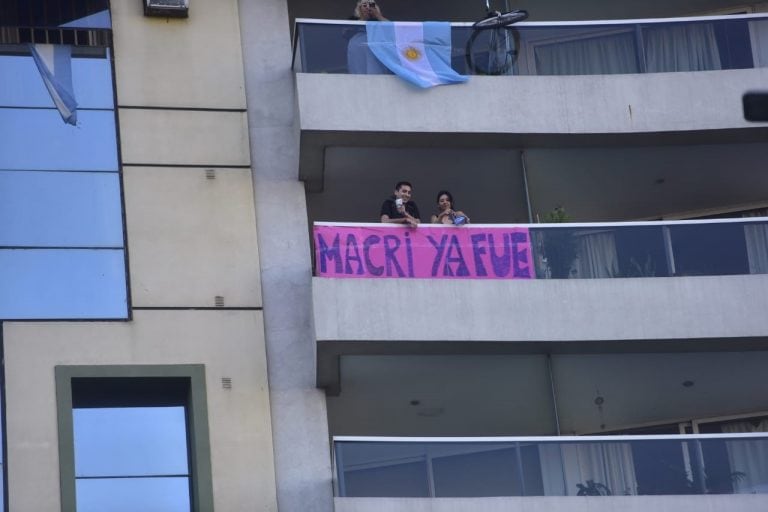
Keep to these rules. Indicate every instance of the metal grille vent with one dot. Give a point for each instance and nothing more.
(210, 174)
(226, 382)
(174, 8)
(219, 301)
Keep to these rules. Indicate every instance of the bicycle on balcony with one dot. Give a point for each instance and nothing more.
(493, 47)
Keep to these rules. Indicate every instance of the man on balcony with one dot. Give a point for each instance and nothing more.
(399, 209)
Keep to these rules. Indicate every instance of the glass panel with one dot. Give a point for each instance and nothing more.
(130, 441)
(133, 494)
(394, 480)
(572, 49)
(481, 472)
(60, 209)
(91, 81)
(709, 249)
(39, 139)
(62, 283)
(625, 466)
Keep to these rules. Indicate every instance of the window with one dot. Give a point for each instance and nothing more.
(62, 249)
(133, 438)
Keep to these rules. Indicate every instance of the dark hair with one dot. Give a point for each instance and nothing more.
(401, 183)
(445, 193)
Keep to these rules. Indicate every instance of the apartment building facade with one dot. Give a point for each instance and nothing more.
(169, 339)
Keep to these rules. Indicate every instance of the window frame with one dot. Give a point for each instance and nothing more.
(201, 497)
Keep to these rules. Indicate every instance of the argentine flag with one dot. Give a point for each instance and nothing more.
(417, 52)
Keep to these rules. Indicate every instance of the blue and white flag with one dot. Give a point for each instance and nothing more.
(417, 52)
(54, 62)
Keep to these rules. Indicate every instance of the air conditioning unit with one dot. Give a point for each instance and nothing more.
(166, 8)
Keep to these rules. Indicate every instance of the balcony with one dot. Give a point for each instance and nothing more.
(627, 88)
(483, 289)
(722, 471)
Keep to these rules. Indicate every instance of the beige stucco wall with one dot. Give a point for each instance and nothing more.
(226, 342)
(190, 62)
(190, 237)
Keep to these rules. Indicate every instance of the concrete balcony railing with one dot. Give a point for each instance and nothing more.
(505, 289)
(635, 99)
(543, 251)
(621, 467)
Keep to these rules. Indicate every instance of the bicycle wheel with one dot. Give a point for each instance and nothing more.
(497, 19)
(492, 52)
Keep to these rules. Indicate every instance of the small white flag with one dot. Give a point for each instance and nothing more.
(54, 61)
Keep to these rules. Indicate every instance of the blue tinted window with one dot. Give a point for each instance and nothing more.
(133, 494)
(56, 209)
(39, 139)
(62, 283)
(91, 81)
(60, 184)
(130, 441)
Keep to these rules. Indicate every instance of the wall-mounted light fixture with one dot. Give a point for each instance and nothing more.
(166, 8)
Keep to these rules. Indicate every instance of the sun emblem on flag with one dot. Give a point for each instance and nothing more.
(412, 53)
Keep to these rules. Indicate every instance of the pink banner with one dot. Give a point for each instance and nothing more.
(463, 252)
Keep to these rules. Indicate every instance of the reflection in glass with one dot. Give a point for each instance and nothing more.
(668, 465)
(134, 441)
(91, 79)
(133, 494)
(38, 139)
(575, 49)
(62, 283)
(58, 209)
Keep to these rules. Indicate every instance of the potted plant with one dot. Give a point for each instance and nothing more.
(558, 245)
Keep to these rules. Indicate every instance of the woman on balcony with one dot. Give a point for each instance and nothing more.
(445, 213)
(360, 59)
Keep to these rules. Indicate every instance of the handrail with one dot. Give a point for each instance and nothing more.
(550, 439)
(682, 19)
(730, 220)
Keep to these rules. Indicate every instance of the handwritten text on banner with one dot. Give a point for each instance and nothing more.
(465, 252)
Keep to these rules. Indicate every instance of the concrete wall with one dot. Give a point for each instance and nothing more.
(223, 341)
(191, 238)
(542, 310)
(299, 421)
(739, 503)
(656, 102)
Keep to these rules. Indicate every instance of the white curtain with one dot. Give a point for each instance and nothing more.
(756, 236)
(601, 55)
(758, 31)
(564, 466)
(596, 255)
(757, 247)
(748, 459)
(689, 47)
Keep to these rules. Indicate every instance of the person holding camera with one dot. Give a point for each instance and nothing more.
(368, 10)
(399, 209)
(360, 59)
(445, 212)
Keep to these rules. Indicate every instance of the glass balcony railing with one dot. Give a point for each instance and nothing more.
(551, 466)
(570, 48)
(543, 251)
